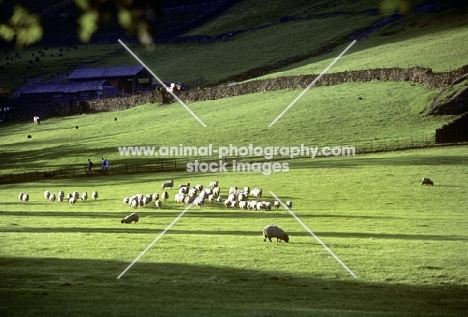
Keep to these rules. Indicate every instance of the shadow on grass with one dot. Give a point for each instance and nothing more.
(78, 287)
(365, 160)
(142, 228)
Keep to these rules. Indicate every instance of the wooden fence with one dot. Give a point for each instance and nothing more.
(172, 164)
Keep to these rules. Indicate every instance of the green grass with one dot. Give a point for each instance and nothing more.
(405, 242)
(323, 116)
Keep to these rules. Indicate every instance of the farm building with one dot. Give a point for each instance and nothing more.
(66, 92)
(127, 79)
(87, 83)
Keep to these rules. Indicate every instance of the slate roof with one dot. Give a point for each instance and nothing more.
(105, 72)
(65, 87)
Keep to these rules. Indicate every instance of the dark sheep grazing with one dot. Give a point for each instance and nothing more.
(133, 217)
(427, 181)
(272, 231)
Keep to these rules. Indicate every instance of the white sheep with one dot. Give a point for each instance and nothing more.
(227, 203)
(199, 187)
(60, 197)
(247, 190)
(46, 194)
(216, 191)
(158, 204)
(214, 184)
(243, 205)
(276, 204)
(272, 231)
(198, 202)
(165, 196)
(84, 196)
(20, 196)
(232, 190)
(25, 197)
(427, 181)
(133, 217)
(126, 200)
(219, 199)
(169, 184)
(267, 205)
(179, 198)
(76, 195)
(72, 200)
(134, 203)
(94, 195)
(257, 192)
(242, 196)
(155, 196)
(211, 198)
(37, 120)
(52, 197)
(289, 204)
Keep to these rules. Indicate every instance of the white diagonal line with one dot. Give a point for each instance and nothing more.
(161, 82)
(313, 83)
(313, 234)
(154, 241)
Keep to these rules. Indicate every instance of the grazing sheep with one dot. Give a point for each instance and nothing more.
(84, 196)
(183, 190)
(20, 196)
(242, 196)
(94, 195)
(289, 204)
(232, 190)
(46, 194)
(211, 198)
(216, 191)
(257, 192)
(243, 205)
(247, 190)
(76, 195)
(155, 196)
(72, 200)
(69, 196)
(25, 197)
(165, 196)
(199, 187)
(267, 205)
(427, 181)
(219, 199)
(184, 185)
(168, 184)
(145, 200)
(179, 198)
(272, 231)
(214, 184)
(193, 191)
(189, 199)
(276, 204)
(52, 197)
(198, 202)
(227, 203)
(126, 200)
(133, 217)
(60, 197)
(134, 203)
(158, 204)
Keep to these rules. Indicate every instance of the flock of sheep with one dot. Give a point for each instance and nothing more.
(60, 197)
(197, 196)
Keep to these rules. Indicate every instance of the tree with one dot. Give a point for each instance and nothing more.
(19, 25)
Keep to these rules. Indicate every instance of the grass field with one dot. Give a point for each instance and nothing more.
(323, 116)
(405, 242)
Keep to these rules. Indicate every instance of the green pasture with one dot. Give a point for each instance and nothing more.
(406, 243)
(331, 116)
(428, 40)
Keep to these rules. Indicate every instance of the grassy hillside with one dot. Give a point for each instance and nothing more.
(324, 116)
(405, 242)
